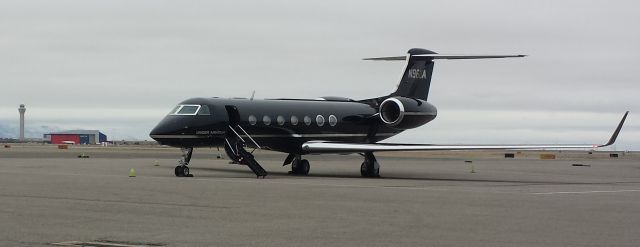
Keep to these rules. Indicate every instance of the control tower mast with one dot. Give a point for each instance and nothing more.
(22, 109)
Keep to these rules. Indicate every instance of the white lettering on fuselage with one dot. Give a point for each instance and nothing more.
(209, 132)
(417, 74)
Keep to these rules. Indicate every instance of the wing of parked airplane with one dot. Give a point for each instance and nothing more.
(340, 147)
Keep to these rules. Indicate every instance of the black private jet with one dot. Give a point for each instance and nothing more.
(315, 126)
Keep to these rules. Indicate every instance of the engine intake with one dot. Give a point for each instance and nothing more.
(406, 113)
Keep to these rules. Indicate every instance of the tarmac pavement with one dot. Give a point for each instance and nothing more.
(51, 196)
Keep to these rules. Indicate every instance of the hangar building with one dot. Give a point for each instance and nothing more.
(76, 136)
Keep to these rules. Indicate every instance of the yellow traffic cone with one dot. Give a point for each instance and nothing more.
(132, 173)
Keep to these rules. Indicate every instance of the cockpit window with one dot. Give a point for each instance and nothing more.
(186, 110)
(204, 110)
(175, 109)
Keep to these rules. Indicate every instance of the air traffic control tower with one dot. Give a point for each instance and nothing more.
(22, 109)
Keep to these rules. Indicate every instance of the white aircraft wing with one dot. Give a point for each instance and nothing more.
(341, 147)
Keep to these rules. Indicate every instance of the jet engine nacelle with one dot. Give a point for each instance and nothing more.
(406, 113)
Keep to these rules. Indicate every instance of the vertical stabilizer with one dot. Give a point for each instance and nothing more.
(416, 77)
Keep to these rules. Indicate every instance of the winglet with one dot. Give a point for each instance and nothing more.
(613, 138)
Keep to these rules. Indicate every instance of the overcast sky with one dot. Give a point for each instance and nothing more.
(119, 66)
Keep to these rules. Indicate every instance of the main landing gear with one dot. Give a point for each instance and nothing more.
(370, 167)
(182, 170)
(299, 166)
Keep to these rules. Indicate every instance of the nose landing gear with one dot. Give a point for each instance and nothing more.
(182, 170)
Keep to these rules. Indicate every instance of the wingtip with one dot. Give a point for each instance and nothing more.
(613, 138)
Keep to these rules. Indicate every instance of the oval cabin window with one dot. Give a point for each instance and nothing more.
(333, 120)
(320, 120)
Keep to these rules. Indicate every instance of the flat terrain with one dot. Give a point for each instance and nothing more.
(423, 199)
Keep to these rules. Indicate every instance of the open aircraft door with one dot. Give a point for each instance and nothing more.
(233, 114)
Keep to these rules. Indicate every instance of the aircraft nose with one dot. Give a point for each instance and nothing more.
(164, 128)
(158, 130)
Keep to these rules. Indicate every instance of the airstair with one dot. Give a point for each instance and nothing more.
(245, 157)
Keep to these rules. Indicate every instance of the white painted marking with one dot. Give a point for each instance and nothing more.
(584, 192)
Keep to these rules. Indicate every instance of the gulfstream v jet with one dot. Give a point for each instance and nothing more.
(338, 125)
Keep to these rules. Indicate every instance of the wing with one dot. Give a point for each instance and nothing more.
(340, 147)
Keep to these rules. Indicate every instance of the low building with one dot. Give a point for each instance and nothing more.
(76, 137)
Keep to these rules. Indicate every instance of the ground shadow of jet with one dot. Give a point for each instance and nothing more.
(428, 178)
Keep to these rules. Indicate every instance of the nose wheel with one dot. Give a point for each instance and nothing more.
(182, 170)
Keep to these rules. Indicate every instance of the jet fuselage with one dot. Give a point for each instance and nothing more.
(275, 124)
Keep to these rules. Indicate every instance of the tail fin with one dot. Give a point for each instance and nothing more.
(416, 77)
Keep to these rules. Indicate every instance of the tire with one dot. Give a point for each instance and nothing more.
(363, 170)
(185, 171)
(295, 166)
(179, 171)
(304, 167)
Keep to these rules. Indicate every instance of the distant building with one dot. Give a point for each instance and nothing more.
(75, 137)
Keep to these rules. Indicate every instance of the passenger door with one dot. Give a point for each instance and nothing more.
(234, 115)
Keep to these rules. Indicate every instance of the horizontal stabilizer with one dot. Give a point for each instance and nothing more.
(442, 56)
(398, 58)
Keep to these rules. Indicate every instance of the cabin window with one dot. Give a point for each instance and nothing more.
(320, 120)
(333, 120)
(187, 110)
(204, 110)
(294, 120)
(266, 120)
(280, 120)
(307, 120)
(252, 120)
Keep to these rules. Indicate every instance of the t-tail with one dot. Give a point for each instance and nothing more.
(416, 76)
